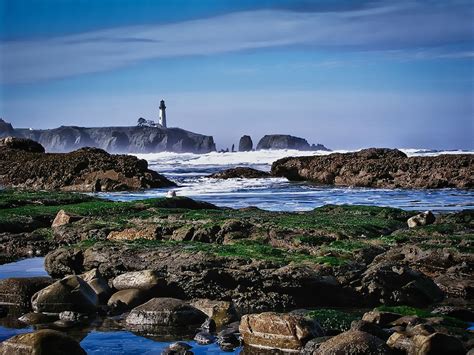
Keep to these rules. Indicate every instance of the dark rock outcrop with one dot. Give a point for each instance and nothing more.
(253, 286)
(283, 141)
(245, 144)
(18, 291)
(87, 169)
(383, 168)
(133, 139)
(240, 172)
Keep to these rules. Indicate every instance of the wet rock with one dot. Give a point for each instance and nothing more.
(86, 169)
(421, 219)
(127, 299)
(69, 294)
(221, 312)
(149, 233)
(18, 291)
(204, 338)
(62, 218)
(354, 342)
(391, 283)
(380, 318)
(370, 328)
(45, 341)
(143, 280)
(280, 331)
(240, 173)
(245, 144)
(178, 348)
(33, 318)
(21, 144)
(166, 312)
(383, 168)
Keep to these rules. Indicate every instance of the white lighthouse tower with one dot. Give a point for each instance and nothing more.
(162, 120)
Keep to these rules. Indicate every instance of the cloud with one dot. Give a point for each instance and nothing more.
(386, 26)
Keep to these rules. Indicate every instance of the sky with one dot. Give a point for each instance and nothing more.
(344, 73)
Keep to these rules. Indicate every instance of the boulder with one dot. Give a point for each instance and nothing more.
(166, 312)
(421, 219)
(392, 283)
(283, 331)
(354, 342)
(380, 168)
(438, 343)
(426, 344)
(68, 294)
(240, 173)
(143, 280)
(45, 341)
(21, 144)
(149, 233)
(127, 299)
(221, 312)
(245, 144)
(62, 218)
(18, 291)
(84, 170)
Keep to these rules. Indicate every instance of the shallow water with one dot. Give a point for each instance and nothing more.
(190, 171)
(95, 341)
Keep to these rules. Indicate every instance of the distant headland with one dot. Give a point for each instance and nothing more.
(147, 136)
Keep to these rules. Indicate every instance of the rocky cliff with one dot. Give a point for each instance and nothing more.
(132, 139)
(24, 164)
(386, 168)
(283, 141)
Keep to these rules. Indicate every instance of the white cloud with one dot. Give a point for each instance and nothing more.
(408, 25)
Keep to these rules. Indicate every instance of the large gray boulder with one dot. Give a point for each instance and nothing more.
(166, 312)
(69, 294)
(354, 342)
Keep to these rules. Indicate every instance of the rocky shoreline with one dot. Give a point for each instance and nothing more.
(24, 164)
(338, 279)
(380, 168)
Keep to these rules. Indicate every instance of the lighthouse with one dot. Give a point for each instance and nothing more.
(162, 120)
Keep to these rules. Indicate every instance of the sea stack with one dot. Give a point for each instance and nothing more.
(245, 144)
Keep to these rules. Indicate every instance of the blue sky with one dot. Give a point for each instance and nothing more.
(347, 74)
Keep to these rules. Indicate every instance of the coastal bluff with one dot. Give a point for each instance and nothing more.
(381, 168)
(131, 139)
